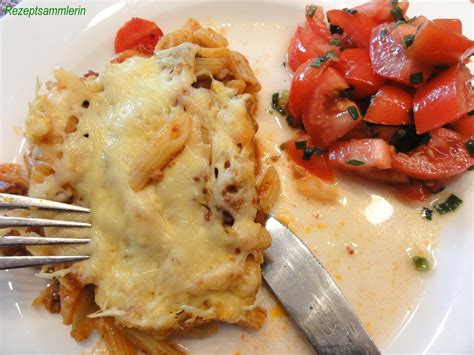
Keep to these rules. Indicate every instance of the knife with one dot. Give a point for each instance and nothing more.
(311, 297)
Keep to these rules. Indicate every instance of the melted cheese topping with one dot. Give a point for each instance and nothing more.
(165, 257)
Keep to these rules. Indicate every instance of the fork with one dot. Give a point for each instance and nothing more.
(8, 201)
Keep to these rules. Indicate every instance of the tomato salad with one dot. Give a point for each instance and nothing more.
(381, 95)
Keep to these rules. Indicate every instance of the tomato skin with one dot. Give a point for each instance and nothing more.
(304, 80)
(374, 152)
(414, 190)
(317, 165)
(318, 25)
(358, 26)
(465, 126)
(449, 24)
(305, 45)
(443, 99)
(444, 156)
(390, 106)
(138, 34)
(389, 57)
(380, 10)
(325, 116)
(434, 45)
(354, 64)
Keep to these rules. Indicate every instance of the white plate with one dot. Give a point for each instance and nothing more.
(32, 47)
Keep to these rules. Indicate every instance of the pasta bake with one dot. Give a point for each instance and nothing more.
(161, 147)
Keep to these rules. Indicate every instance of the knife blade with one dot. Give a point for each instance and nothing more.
(311, 297)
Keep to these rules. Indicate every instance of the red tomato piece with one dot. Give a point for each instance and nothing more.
(361, 154)
(354, 64)
(433, 45)
(449, 24)
(443, 99)
(303, 46)
(387, 176)
(138, 34)
(362, 130)
(465, 126)
(327, 117)
(380, 10)
(318, 24)
(388, 54)
(358, 26)
(384, 132)
(303, 82)
(390, 106)
(414, 190)
(317, 165)
(444, 156)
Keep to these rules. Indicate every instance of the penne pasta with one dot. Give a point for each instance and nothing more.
(240, 67)
(313, 187)
(149, 344)
(269, 190)
(207, 37)
(169, 141)
(115, 341)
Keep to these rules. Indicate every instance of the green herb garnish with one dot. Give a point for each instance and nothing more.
(471, 168)
(279, 102)
(335, 41)
(394, 3)
(353, 112)
(343, 94)
(449, 205)
(310, 10)
(383, 33)
(350, 11)
(317, 151)
(421, 263)
(330, 55)
(427, 213)
(300, 144)
(317, 62)
(355, 162)
(425, 138)
(307, 153)
(470, 146)
(397, 13)
(408, 40)
(335, 29)
(470, 113)
(291, 121)
(416, 78)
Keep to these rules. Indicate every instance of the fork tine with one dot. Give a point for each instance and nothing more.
(22, 241)
(16, 201)
(14, 262)
(38, 222)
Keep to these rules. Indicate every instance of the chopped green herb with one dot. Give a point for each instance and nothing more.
(345, 93)
(300, 144)
(283, 64)
(408, 40)
(291, 121)
(394, 3)
(421, 263)
(279, 102)
(449, 205)
(355, 162)
(317, 62)
(425, 138)
(330, 55)
(353, 112)
(310, 10)
(335, 29)
(383, 33)
(416, 78)
(350, 11)
(317, 151)
(470, 146)
(283, 146)
(398, 23)
(335, 41)
(426, 213)
(471, 168)
(470, 113)
(307, 153)
(397, 13)
(399, 135)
